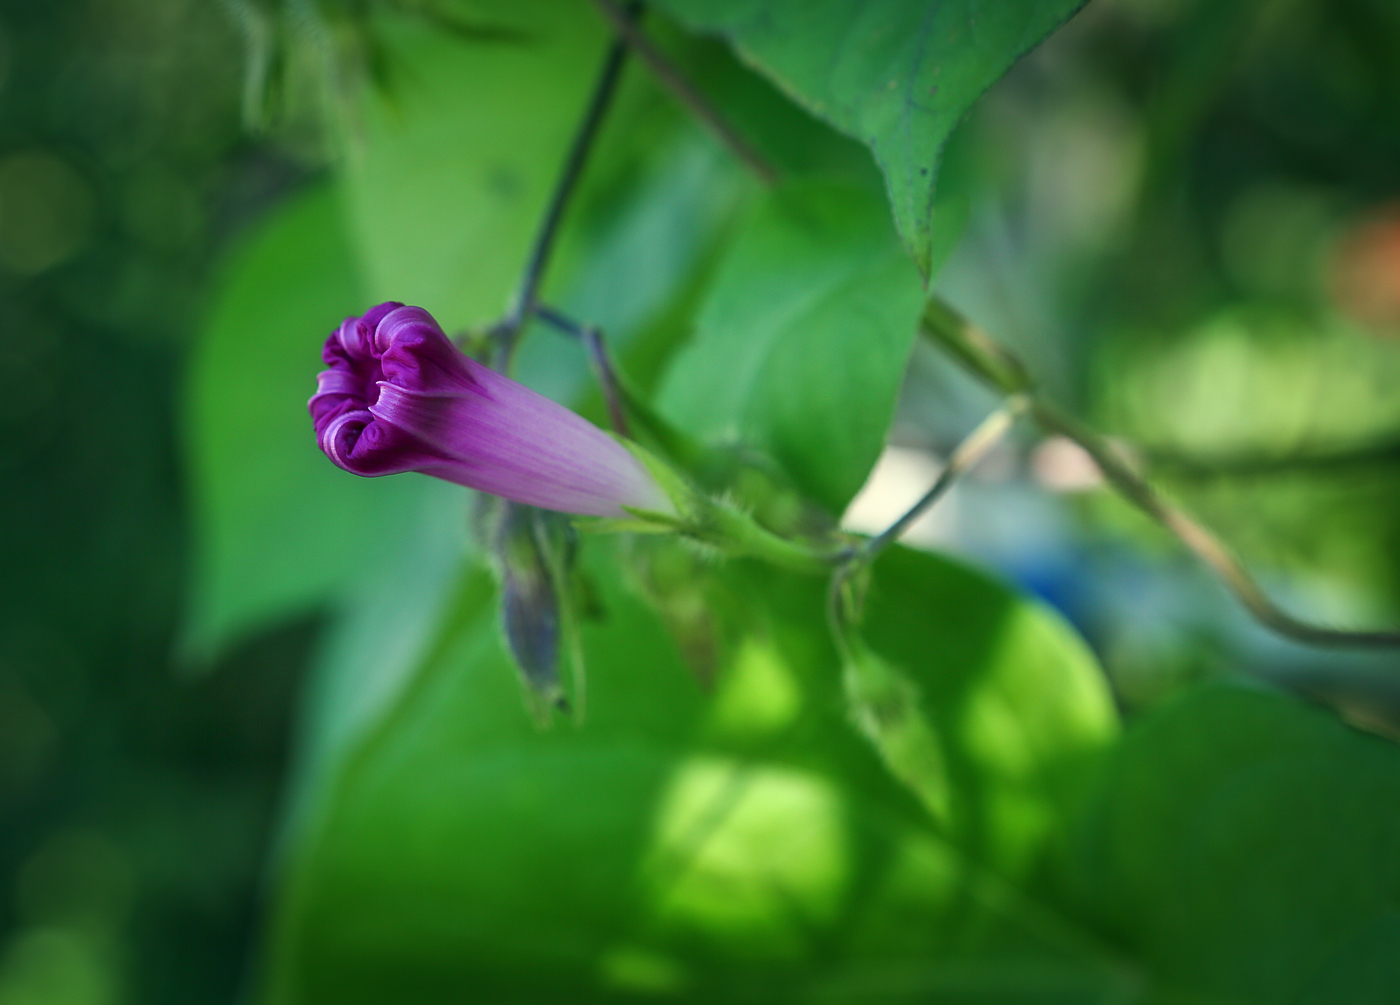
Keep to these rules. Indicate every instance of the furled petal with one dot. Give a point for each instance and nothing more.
(399, 396)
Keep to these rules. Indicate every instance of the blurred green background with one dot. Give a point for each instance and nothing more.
(137, 801)
(1184, 213)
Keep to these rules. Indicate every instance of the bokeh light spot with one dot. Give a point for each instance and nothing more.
(46, 212)
(56, 966)
(757, 694)
(752, 857)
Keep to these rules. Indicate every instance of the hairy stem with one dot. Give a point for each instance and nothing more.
(999, 367)
(683, 90)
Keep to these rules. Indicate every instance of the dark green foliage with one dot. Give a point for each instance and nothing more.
(1177, 211)
(1243, 850)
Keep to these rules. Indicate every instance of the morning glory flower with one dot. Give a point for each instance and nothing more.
(399, 396)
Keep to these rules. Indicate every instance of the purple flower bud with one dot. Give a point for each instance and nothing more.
(399, 396)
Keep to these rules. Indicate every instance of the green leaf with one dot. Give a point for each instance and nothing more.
(279, 529)
(803, 339)
(896, 75)
(682, 841)
(1013, 691)
(449, 173)
(1246, 848)
(386, 623)
(636, 260)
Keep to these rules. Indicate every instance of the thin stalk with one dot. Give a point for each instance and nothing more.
(1244, 465)
(683, 90)
(1201, 542)
(560, 321)
(508, 330)
(968, 454)
(614, 395)
(743, 534)
(653, 431)
(999, 367)
(607, 379)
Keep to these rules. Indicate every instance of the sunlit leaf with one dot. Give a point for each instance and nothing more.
(681, 841)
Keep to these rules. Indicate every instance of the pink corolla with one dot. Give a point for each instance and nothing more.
(399, 396)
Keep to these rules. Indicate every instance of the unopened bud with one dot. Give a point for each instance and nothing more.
(532, 551)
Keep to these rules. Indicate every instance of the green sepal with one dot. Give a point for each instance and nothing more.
(683, 496)
(642, 521)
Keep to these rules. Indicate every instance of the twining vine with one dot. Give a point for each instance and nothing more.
(941, 324)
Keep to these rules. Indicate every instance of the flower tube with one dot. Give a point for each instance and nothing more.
(399, 396)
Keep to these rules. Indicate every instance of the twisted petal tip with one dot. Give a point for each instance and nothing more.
(398, 396)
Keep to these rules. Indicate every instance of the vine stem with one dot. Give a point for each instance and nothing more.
(966, 456)
(843, 593)
(1265, 466)
(682, 89)
(591, 337)
(507, 331)
(607, 378)
(999, 367)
